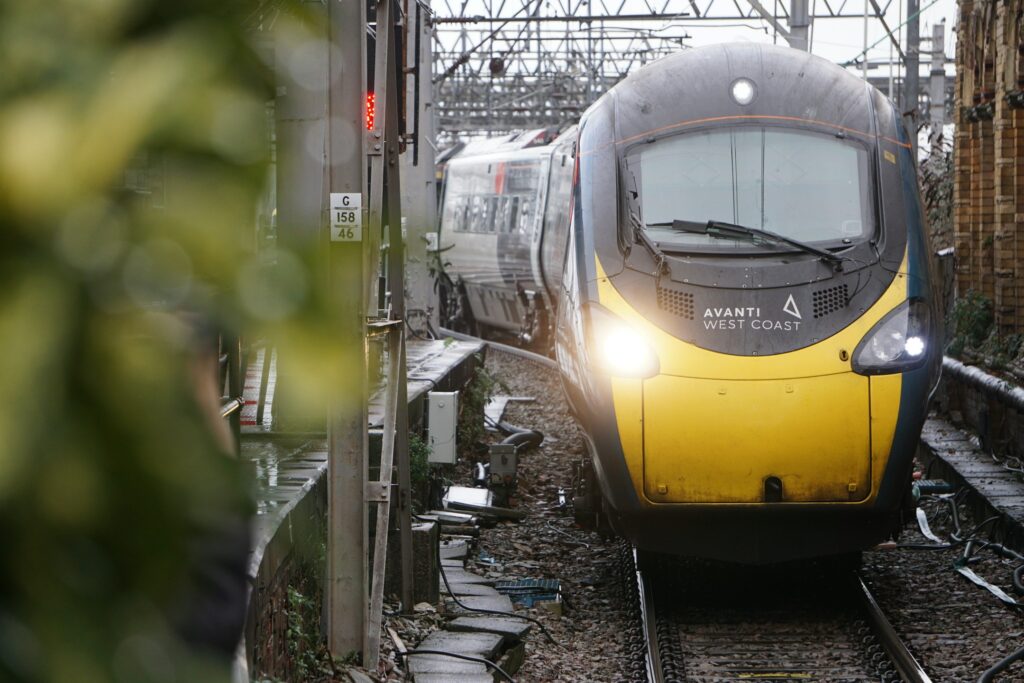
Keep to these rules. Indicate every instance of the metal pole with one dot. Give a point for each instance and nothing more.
(864, 68)
(590, 56)
(419, 182)
(347, 438)
(896, 95)
(775, 26)
(396, 285)
(236, 380)
(889, 90)
(912, 82)
(799, 21)
(386, 209)
(937, 84)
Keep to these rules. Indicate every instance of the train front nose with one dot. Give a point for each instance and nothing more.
(800, 440)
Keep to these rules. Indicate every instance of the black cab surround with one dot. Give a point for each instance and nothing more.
(693, 244)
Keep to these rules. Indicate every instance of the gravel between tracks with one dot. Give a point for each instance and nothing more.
(595, 625)
(956, 629)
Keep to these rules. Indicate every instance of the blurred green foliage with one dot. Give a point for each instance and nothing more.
(133, 150)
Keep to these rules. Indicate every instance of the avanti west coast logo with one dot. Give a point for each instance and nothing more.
(749, 317)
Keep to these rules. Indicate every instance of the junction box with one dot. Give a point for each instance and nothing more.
(504, 461)
(442, 415)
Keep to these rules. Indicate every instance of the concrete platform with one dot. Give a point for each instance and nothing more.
(290, 471)
(439, 664)
(473, 643)
(472, 589)
(431, 365)
(454, 550)
(950, 453)
(453, 678)
(455, 575)
(508, 627)
(499, 603)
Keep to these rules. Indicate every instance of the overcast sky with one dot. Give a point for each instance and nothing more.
(838, 40)
(842, 39)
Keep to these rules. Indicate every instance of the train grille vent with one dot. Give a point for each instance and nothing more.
(829, 300)
(678, 303)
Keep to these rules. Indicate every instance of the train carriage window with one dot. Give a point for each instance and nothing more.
(494, 198)
(526, 216)
(473, 214)
(513, 213)
(491, 223)
(501, 220)
(808, 186)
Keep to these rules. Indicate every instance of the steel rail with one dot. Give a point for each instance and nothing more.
(652, 655)
(908, 667)
(523, 353)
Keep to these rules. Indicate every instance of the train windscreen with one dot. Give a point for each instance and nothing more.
(808, 186)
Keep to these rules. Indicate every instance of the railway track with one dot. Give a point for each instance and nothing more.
(514, 350)
(705, 623)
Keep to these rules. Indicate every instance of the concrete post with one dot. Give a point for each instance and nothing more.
(347, 438)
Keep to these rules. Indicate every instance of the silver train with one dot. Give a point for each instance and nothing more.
(745, 324)
(504, 226)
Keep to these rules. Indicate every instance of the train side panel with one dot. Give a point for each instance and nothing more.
(491, 219)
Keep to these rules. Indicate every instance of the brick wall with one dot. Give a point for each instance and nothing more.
(988, 199)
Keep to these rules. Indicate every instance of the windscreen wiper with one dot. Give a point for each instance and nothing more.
(641, 236)
(723, 230)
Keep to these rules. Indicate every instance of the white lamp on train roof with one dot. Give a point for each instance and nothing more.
(743, 91)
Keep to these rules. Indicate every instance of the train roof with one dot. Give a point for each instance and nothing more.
(510, 152)
(695, 87)
(539, 138)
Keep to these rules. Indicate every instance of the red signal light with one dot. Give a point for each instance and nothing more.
(371, 110)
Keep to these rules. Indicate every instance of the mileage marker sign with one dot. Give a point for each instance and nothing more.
(346, 217)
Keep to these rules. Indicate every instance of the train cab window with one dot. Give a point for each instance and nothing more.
(809, 186)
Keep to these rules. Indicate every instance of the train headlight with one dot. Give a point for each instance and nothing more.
(899, 342)
(619, 349)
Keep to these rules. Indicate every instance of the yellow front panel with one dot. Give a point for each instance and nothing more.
(885, 412)
(715, 441)
(712, 426)
(628, 398)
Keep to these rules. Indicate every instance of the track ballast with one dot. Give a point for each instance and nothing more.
(710, 623)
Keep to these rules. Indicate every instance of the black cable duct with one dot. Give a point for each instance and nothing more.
(1002, 664)
(521, 438)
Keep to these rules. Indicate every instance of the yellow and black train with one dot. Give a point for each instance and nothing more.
(744, 318)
